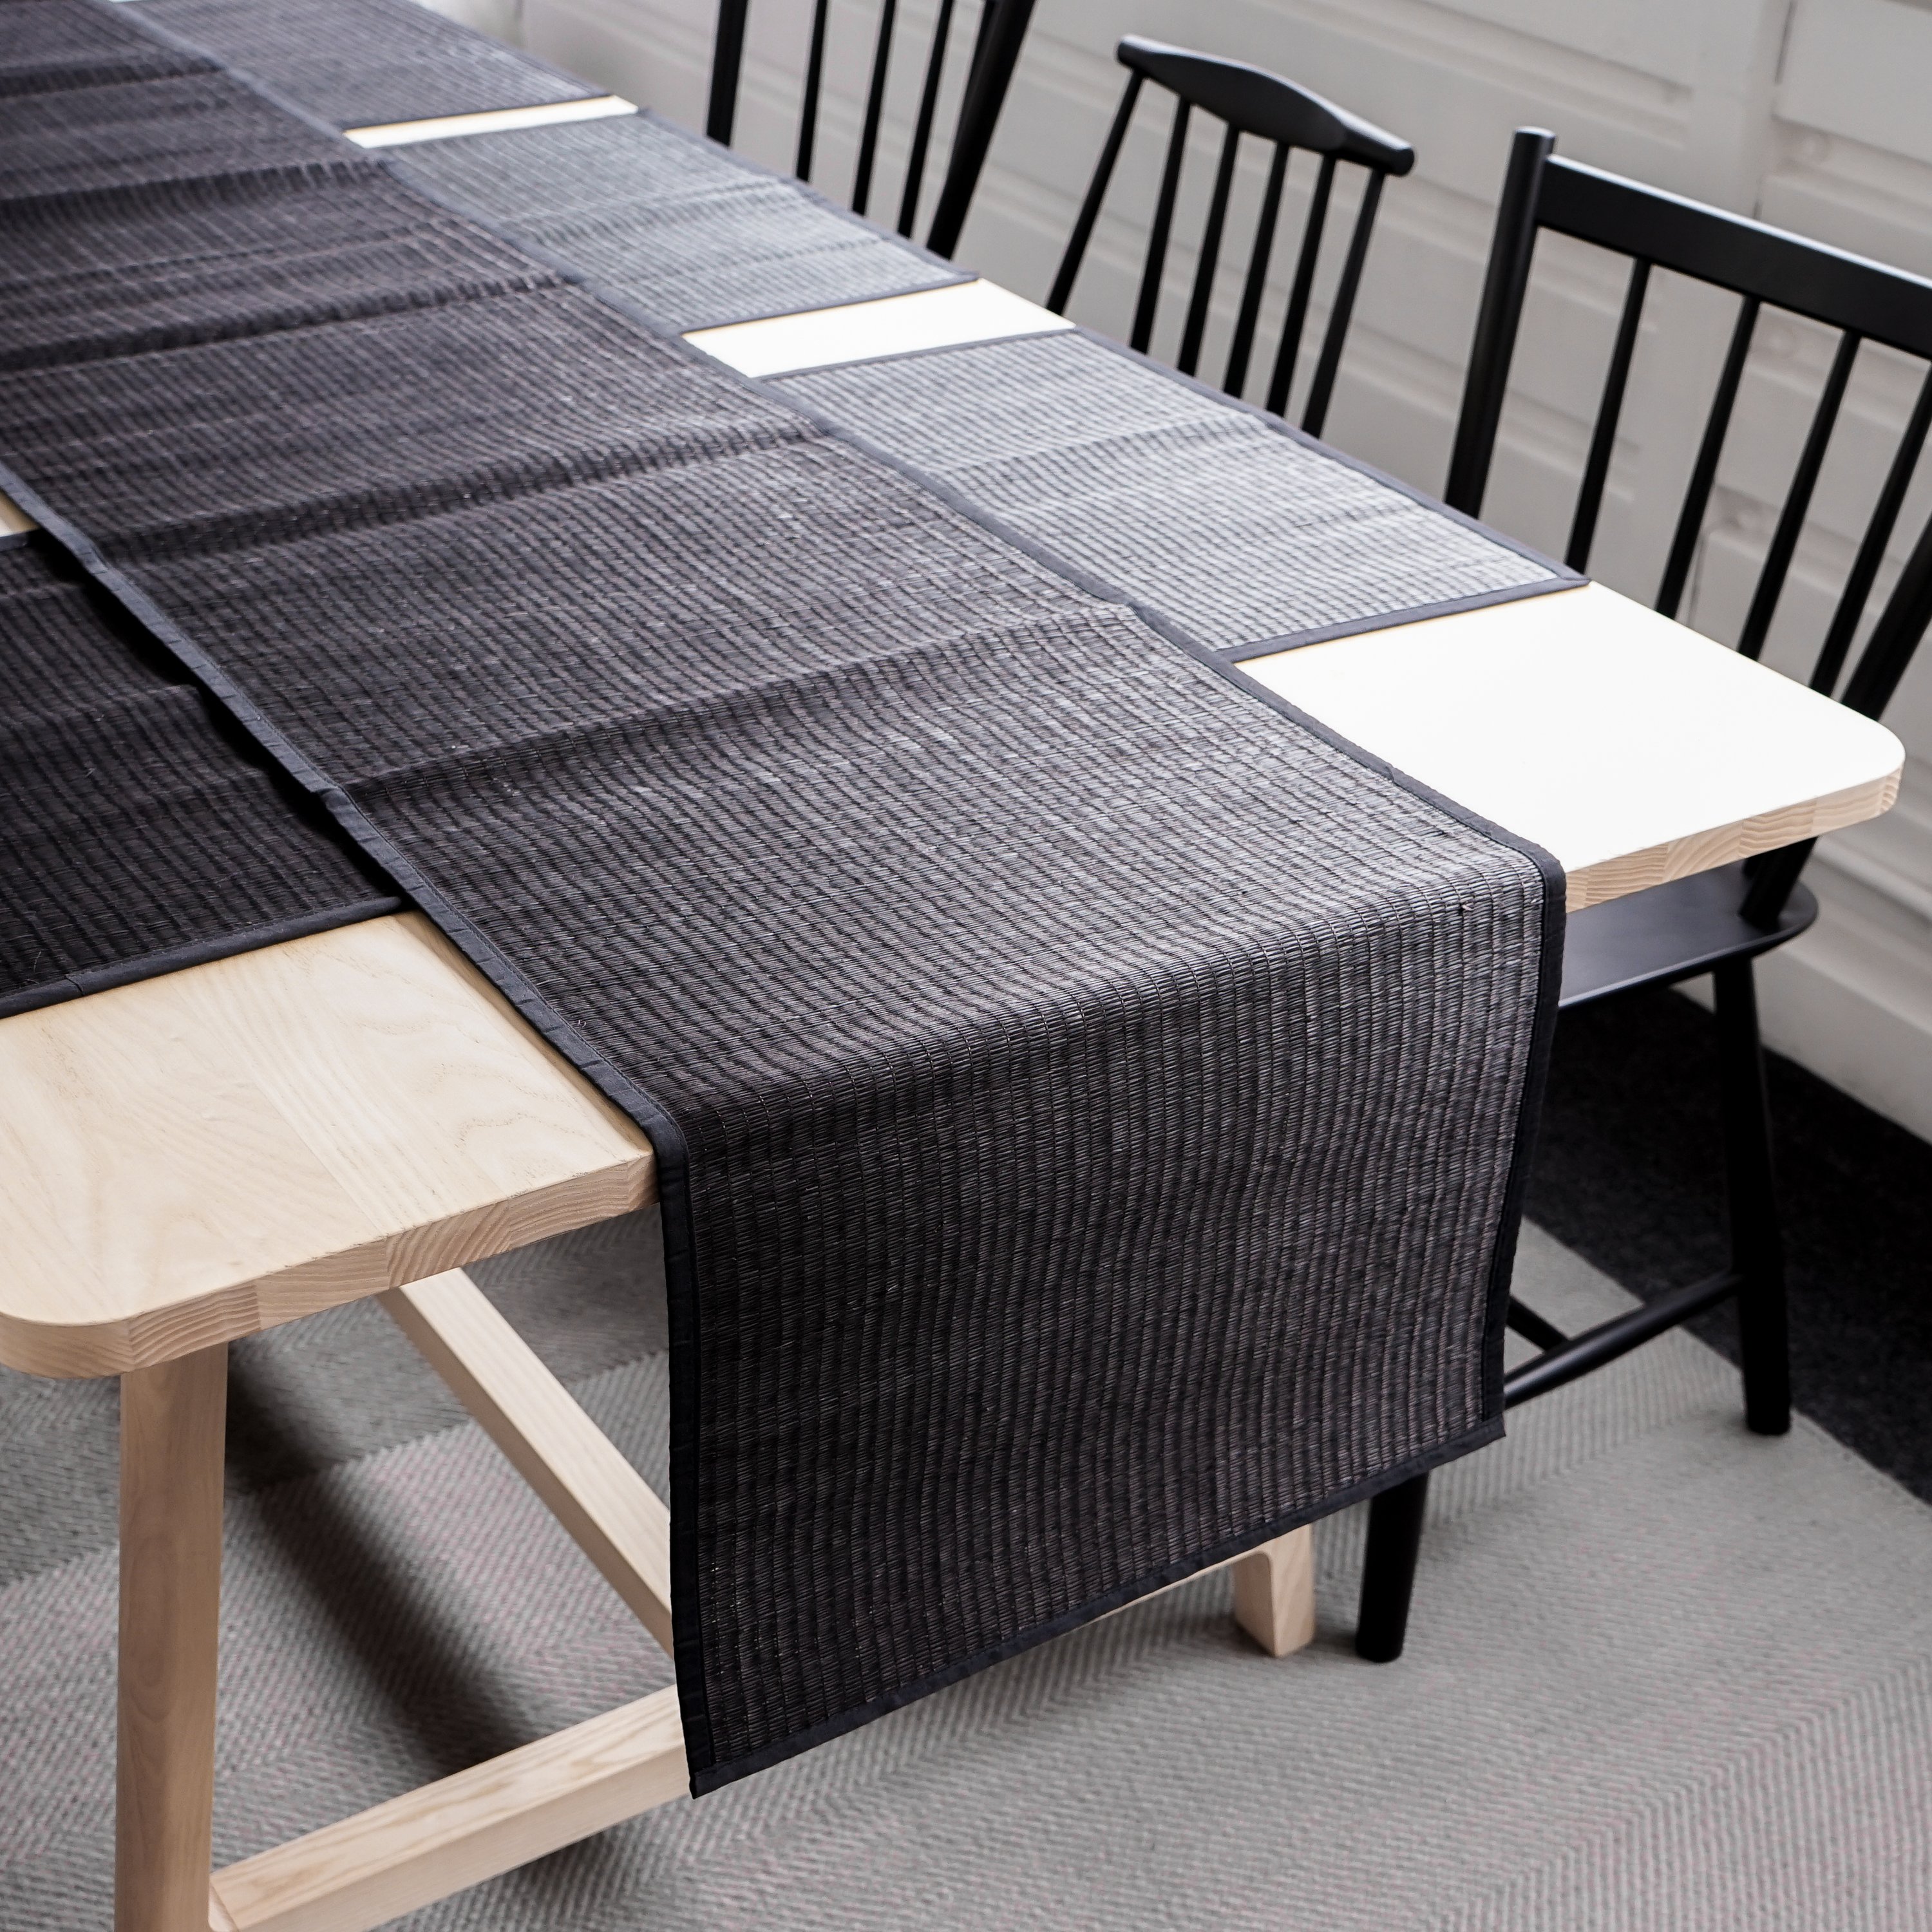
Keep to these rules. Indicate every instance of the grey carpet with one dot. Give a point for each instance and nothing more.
(1664, 1674)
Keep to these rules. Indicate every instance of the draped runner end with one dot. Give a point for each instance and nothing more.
(1089, 1101)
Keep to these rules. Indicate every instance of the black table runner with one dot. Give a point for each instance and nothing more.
(1090, 1102)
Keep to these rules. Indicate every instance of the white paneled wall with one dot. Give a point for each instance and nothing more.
(1810, 113)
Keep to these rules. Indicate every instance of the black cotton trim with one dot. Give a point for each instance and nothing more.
(1356, 627)
(194, 952)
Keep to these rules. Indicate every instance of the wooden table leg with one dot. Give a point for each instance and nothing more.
(1274, 1592)
(171, 1462)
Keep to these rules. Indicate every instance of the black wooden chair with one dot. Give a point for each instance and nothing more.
(1717, 923)
(1249, 100)
(996, 51)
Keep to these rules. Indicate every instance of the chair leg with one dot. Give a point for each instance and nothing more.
(1757, 1248)
(1388, 1573)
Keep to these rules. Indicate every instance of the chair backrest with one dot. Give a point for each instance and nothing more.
(1249, 100)
(1865, 301)
(996, 51)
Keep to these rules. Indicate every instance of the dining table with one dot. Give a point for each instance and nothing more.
(359, 1113)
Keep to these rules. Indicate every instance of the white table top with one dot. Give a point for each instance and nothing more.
(1632, 750)
(492, 121)
(944, 318)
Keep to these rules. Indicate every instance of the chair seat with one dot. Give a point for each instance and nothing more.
(1671, 932)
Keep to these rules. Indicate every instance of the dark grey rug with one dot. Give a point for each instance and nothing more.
(1665, 1676)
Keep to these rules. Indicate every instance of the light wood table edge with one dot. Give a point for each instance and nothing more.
(1701, 852)
(1274, 1591)
(67, 1351)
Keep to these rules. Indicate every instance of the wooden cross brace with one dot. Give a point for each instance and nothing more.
(412, 1850)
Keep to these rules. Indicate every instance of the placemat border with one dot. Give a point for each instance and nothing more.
(194, 952)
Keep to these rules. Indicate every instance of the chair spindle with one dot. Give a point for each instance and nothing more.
(1798, 500)
(875, 107)
(928, 104)
(1163, 225)
(1704, 471)
(1242, 346)
(1097, 191)
(814, 77)
(1603, 438)
(1329, 362)
(1196, 324)
(728, 57)
(1864, 569)
(1289, 348)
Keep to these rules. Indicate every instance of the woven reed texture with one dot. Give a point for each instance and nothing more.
(364, 63)
(183, 128)
(1209, 514)
(669, 222)
(45, 46)
(1100, 1093)
(231, 442)
(180, 262)
(136, 829)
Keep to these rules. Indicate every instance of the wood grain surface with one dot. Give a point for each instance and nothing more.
(390, 1860)
(1274, 1592)
(171, 1419)
(208, 1154)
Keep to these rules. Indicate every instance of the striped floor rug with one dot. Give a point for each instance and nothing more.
(1664, 1675)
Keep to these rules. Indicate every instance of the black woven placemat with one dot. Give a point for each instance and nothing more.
(183, 128)
(1225, 520)
(142, 833)
(1089, 1103)
(44, 48)
(375, 420)
(364, 63)
(688, 234)
(166, 264)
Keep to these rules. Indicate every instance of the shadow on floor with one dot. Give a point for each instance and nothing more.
(1629, 1172)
